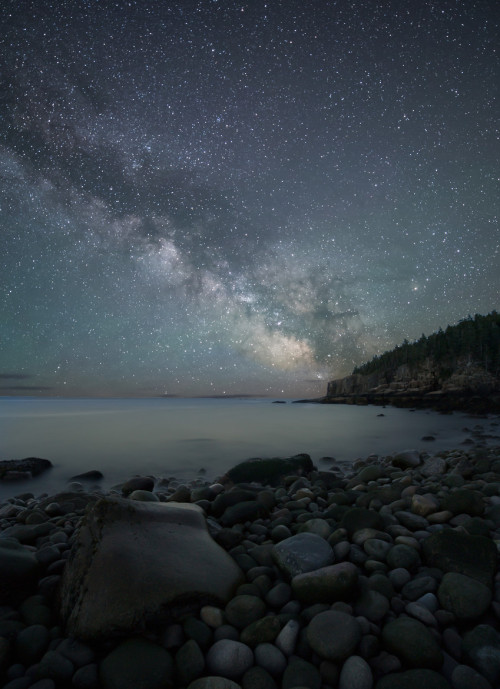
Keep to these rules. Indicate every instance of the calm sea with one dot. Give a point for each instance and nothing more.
(178, 437)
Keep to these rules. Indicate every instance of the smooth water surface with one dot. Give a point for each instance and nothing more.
(178, 437)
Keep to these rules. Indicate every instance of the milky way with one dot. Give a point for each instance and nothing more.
(208, 197)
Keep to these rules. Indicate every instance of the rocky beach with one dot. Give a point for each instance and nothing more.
(281, 574)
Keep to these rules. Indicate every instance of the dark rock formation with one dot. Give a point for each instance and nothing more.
(18, 469)
(167, 563)
(270, 470)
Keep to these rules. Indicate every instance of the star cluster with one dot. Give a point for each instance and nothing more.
(211, 197)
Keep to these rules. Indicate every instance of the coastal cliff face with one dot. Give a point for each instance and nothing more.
(421, 379)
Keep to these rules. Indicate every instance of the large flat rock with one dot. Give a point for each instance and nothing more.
(136, 564)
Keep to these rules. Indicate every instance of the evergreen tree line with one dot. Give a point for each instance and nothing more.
(473, 340)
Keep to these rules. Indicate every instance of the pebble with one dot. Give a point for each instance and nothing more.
(355, 674)
(229, 658)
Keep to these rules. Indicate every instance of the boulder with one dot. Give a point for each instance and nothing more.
(481, 649)
(358, 518)
(19, 571)
(413, 679)
(136, 564)
(333, 635)
(13, 469)
(453, 551)
(408, 459)
(465, 597)
(301, 553)
(464, 501)
(271, 470)
(412, 643)
(326, 584)
(137, 663)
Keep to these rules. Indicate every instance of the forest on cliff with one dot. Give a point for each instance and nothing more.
(474, 340)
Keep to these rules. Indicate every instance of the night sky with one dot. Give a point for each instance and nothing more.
(205, 197)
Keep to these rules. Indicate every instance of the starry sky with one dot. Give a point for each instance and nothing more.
(208, 197)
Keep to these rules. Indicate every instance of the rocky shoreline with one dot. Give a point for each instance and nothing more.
(444, 402)
(382, 574)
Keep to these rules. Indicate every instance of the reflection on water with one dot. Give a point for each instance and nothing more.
(122, 437)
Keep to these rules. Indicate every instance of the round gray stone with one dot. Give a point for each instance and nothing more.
(300, 673)
(55, 666)
(136, 663)
(403, 556)
(481, 649)
(333, 635)
(301, 553)
(355, 674)
(244, 609)
(372, 605)
(465, 597)
(465, 677)
(213, 683)
(287, 638)
(412, 643)
(326, 584)
(189, 662)
(413, 679)
(270, 658)
(31, 643)
(229, 658)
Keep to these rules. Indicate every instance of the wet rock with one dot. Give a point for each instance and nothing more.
(413, 643)
(403, 556)
(55, 666)
(134, 563)
(270, 658)
(333, 635)
(481, 649)
(452, 551)
(243, 610)
(214, 683)
(15, 469)
(19, 571)
(413, 679)
(31, 644)
(464, 677)
(464, 501)
(358, 518)
(372, 605)
(242, 512)
(302, 553)
(137, 663)
(257, 678)
(229, 659)
(355, 674)
(300, 673)
(270, 471)
(465, 597)
(409, 459)
(92, 475)
(189, 662)
(326, 584)
(138, 483)
(143, 495)
(287, 638)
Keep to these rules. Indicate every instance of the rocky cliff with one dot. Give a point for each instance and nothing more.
(420, 379)
(423, 384)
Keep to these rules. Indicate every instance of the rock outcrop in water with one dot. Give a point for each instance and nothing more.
(21, 469)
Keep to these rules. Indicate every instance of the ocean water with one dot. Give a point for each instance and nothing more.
(180, 437)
